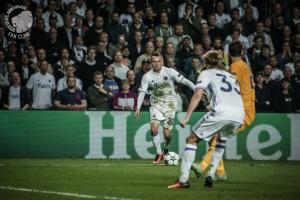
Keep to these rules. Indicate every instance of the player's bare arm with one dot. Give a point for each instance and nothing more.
(141, 97)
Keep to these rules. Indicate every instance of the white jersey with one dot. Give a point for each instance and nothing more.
(221, 20)
(161, 85)
(223, 92)
(14, 98)
(42, 86)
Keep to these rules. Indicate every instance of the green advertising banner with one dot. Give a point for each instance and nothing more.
(101, 135)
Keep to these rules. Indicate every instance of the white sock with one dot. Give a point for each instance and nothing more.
(215, 159)
(187, 161)
(156, 143)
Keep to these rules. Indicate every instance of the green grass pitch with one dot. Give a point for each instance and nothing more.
(139, 179)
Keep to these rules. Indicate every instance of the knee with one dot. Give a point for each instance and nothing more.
(167, 131)
(167, 137)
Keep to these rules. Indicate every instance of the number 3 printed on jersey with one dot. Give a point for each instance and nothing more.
(227, 87)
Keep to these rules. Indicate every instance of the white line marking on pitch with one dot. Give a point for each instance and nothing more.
(48, 192)
(63, 193)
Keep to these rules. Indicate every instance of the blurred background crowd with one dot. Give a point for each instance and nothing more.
(92, 54)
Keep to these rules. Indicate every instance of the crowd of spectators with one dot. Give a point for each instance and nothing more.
(92, 54)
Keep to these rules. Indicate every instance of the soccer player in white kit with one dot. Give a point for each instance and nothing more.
(224, 119)
(159, 82)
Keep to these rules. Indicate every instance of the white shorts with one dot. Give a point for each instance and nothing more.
(163, 116)
(209, 125)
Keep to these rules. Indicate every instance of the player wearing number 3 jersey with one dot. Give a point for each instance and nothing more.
(243, 75)
(223, 120)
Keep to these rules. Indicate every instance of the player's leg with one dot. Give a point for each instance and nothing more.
(205, 128)
(156, 141)
(155, 118)
(168, 126)
(226, 132)
(216, 157)
(207, 157)
(200, 168)
(188, 158)
(221, 174)
(168, 137)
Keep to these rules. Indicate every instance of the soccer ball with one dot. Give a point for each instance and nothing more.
(171, 159)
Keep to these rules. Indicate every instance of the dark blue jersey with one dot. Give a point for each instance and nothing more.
(70, 98)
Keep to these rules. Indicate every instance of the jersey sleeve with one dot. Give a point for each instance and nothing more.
(144, 84)
(176, 75)
(203, 80)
